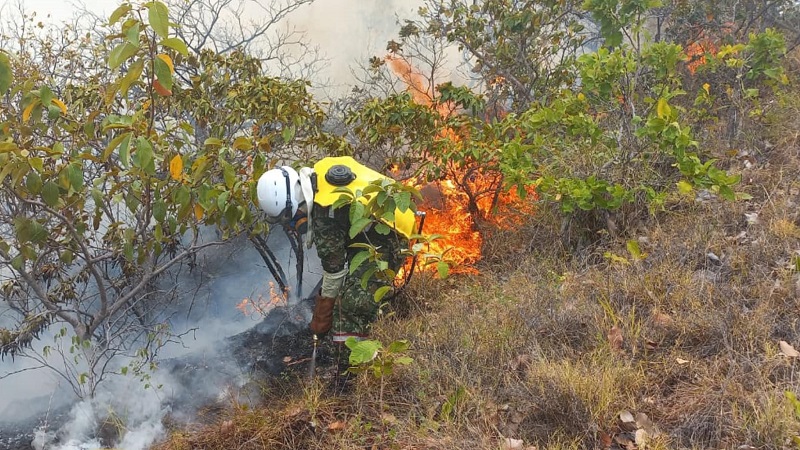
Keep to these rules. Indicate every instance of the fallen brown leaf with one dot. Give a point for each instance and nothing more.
(615, 338)
(788, 350)
(644, 422)
(605, 440)
(662, 320)
(627, 421)
(681, 361)
(513, 444)
(337, 426)
(520, 362)
(641, 438)
(626, 441)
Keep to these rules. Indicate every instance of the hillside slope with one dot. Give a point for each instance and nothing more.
(681, 333)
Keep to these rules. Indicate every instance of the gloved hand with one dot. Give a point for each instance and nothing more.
(322, 319)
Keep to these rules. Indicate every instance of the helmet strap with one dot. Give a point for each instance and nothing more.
(287, 211)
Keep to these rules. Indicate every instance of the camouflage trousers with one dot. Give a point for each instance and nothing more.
(355, 308)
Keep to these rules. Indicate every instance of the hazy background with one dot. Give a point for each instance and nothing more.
(346, 31)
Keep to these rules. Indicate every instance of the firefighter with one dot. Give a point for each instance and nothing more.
(303, 201)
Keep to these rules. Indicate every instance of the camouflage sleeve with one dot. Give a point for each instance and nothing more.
(331, 238)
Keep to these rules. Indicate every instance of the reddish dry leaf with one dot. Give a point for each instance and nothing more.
(605, 440)
(337, 426)
(650, 344)
(615, 338)
(662, 320)
(520, 362)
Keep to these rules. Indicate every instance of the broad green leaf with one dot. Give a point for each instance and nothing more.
(159, 210)
(144, 156)
(133, 34)
(228, 174)
(118, 13)
(125, 151)
(403, 201)
(158, 15)
(404, 360)
(212, 141)
(399, 346)
(176, 44)
(75, 176)
(358, 260)
(633, 248)
(53, 112)
(242, 143)
(663, 109)
(120, 54)
(33, 183)
(29, 230)
(36, 163)
(362, 352)
(182, 196)
(97, 197)
(50, 194)
(232, 215)
(114, 144)
(6, 76)
(367, 276)
(288, 133)
(163, 73)
(134, 72)
(357, 211)
(45, 95)
(67, 257)
(383, 229)
(443, 269)
(381, 292)
(167, 60)
(358, 226)
(684, 187)
(727, 193)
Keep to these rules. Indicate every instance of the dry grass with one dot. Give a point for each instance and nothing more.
(526, 350)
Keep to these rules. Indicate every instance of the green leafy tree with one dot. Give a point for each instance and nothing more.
(519, 49)
(109, 176)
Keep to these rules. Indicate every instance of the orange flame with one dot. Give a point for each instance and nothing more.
(450, 213)
(261, 305)
(419, 87)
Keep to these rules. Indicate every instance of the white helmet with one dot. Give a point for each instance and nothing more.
(279, 193)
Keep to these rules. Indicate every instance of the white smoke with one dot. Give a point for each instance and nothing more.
(132, 412)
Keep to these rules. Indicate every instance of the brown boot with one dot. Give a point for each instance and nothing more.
(322, 319)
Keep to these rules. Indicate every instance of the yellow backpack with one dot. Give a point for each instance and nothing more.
(404, 223)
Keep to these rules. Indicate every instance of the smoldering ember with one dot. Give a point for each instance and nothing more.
(326, 224)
